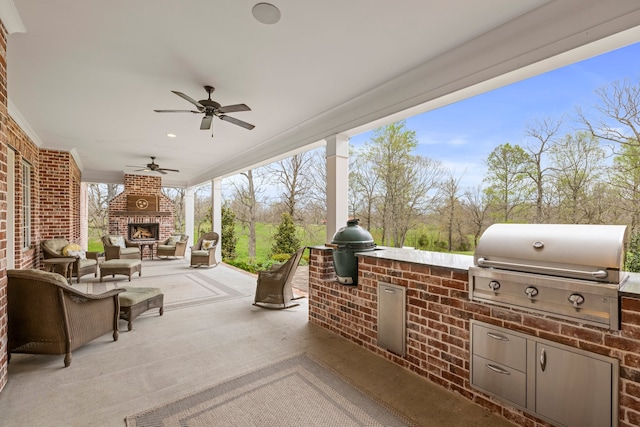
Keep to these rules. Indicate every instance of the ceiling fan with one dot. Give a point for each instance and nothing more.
(154, 167)
(211, 108)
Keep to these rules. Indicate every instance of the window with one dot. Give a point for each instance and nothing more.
(26, 205)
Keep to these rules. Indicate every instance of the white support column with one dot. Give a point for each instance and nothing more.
(84, 215)
(216, 213)
(189, 216)
(337, 153)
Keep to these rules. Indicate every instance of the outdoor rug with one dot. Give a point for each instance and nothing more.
(181, 290)
(294, 392)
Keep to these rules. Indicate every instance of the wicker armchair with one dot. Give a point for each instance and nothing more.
(47, 316)
(174, 246)
(112, 251)
(53, 248)
(274, 289)
(201, 254)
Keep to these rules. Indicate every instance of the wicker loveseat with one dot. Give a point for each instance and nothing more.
(55, 248)
(125, 250)
(174, 246)
(47, 316)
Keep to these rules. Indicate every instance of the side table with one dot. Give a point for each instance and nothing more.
(59, 265)
(148, 244)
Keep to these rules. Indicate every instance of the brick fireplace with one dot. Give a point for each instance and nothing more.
(141, 212)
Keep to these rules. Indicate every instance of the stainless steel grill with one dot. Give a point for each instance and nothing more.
(567, 270)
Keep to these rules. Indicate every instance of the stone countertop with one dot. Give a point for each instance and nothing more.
(414, 256)
(631, 286)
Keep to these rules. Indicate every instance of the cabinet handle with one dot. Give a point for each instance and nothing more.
(498, 369)
(497, 337)
(543, 359)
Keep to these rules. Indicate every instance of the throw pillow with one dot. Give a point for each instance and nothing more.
(117, 241)
(171, 241)
(70, 247)
(81, 254)
(207, 244)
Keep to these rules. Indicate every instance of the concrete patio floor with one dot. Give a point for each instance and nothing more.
(190, 348)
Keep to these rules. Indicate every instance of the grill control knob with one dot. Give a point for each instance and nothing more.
(576, 299)
(494, 285)
(531, 292)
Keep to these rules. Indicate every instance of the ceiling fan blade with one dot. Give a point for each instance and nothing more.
(177, 111)
(233, 108)
(206, 122)
(188, 98)
(168, 170)
(160, 171)
(237, 122)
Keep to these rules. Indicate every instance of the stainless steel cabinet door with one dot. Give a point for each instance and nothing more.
(392, 317)
(573, 389)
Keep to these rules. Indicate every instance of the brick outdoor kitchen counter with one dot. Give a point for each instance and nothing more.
(438, 316)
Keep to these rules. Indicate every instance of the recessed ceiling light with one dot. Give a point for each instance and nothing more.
(171, 135)
(266, 13)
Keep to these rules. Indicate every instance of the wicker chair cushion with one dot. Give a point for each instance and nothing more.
(120, 263)
(199, 253)
(82, 263)
(133, 295)
(166, 247)
(127, 251)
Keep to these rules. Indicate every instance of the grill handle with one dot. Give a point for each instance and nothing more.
(598, 274)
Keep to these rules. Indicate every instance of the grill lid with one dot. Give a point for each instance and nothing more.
(592, 252)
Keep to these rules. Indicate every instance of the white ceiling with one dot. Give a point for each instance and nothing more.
(86, 75)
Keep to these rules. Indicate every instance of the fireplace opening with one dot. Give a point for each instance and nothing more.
(146, 231)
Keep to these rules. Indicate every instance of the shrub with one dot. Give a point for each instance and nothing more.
(285, 239)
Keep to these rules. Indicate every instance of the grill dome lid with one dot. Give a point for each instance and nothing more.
(352, 234)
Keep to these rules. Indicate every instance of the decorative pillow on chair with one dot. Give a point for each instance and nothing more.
(117, 241)
(69, 248)
(81, 254)
(171, 241)
(207, 244)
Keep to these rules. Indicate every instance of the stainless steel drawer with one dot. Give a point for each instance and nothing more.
(500, 380)
(500, 346)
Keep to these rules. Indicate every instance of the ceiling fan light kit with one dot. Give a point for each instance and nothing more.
(211, 108)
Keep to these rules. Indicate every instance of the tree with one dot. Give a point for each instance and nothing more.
(449, 208)
(577, 163)
(507, 178)
(292, 174)
(228, 238)
(625, 179)
(99, 196)
(285, 239)
(476, 205)
(247, 196)
(619, 118)
(406, 181)
(176, 195)
(543, 133)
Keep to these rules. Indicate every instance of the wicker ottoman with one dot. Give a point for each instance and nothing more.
(120, 266)
(135, 301)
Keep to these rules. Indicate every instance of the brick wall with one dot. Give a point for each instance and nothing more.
(3, 206)
(59, 196)
(438, 315)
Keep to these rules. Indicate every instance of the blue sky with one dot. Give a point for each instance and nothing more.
(461, 135)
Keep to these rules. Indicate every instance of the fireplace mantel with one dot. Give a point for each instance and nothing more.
(139, 213)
